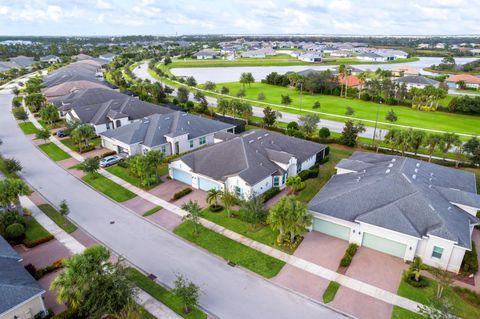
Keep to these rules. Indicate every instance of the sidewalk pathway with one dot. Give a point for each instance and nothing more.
(310, 267)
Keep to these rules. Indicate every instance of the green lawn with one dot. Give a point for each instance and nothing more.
(35, 232)
(152, 211)
(109, 188)
(68, 142)
(124, 174)
(162, 294)
(60, 220)
(263, 234)
(400, 313)
(327, 170)
(28, 128)
(54, 152)
(330, 292)
(59, 123)
(231, 250)
(425, 295)
(335, 106)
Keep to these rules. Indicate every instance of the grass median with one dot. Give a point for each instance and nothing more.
(109, 188)
(28, 128)
(58, 218)
(231, 250)
(54, 152)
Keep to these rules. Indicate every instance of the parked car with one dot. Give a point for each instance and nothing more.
(61, 133)
(110, 160)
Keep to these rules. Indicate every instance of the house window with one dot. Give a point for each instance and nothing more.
(437, 252)
(238, 191)
(284, 177)
(191, 143)
(275, 180)
(299, 168)
(202, 140)
(164, 149)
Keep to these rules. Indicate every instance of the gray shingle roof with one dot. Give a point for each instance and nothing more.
(248, 156)
(401, 194)
(6, 251)
(151, 131)
(86, 97)
(16, 284)
(417, 79)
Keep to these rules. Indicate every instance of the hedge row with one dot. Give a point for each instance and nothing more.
(270, 193)
(182, 193)
(309, 173)
(349, 253)
(33, 243)
(470, 261)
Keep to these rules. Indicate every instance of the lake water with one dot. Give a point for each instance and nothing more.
(232, 74)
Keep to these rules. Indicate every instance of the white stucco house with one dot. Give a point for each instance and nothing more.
(417, 81)
(246, 165)
(400, 206)
(172, 133)
(205, 54)
(49, 59)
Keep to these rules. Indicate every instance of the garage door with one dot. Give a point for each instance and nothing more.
(206, 185)
(182, 176)
(332, 229)
(384, 245)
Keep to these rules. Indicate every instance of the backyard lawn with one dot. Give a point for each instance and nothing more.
(54, 152)
(60, 220)
(335, 105)
(424, 295)
(34, 232)
(231, 250)
(28, 128)
(109, 188)
(162, 294)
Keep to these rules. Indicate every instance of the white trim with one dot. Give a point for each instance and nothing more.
(39, 295)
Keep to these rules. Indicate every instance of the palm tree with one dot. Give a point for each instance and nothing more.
(432, 142)
(290, 218)
(154, 158)
(402, 141)
(228, 199)
(341, 72)
(194, 212)
(416, 139)
(254, 210)
(460, 84)
(82, 135)
(416, 267)
(295, 183)
(213, 196)
(449, 140)
(223, 106)
(362, 76)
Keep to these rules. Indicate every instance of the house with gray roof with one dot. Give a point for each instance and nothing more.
(172, 133)
(20, 294)
(205, 54)
(114, 113)
(85, 97)
(49, 59)
(400, 206)
(248, 164)
(417, 81)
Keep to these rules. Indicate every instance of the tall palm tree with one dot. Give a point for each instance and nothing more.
(450, 140)
(432, 142)
(402, 141)
(416, 140)
(295, 183)
(82, 135)
(341, 72)
(362, 76)
(254, 210)
(228, 199)
(213, 196)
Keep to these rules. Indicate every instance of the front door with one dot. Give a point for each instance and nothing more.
(177, 148)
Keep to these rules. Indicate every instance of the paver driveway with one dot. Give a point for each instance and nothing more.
(169, 187)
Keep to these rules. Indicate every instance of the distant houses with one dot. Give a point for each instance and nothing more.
(417, 81)
(310, 57)
(469, 81)
(205, 54)
(49, 59)
(259, 53)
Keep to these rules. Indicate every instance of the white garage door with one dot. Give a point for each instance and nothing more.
(384, 245)
(332, 229)
(182, 176)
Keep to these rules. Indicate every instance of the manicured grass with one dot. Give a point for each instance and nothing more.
(152, 211)
(68, 142)
(54, 152)
(124, 174)
(335, 106)
(109, 188)
(400, 313)
(28, 128)
(263, 234)
(231, 250)
(60, 220)
(162, 294)
(56, 124)
(425, 295)
(330, 292)
(327, 170)
(34, 231)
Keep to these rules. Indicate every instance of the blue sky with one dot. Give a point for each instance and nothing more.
(166, 17)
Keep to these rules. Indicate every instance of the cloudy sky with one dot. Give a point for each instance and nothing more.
(168, 17)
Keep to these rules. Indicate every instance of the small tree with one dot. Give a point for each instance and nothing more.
(43, 135)
(90, 165)
(209, 85)
(241, 92)
(187, 291)
(295, 183)
(270, 116)
(450, 140)
(316, 105)
(416, 267)
(309, 123)
(64, 209)
(324, 132)
(391, 116)
(194, 212)
(82, 135)
(228, 199)
(254, 211)
(49, 114)
(432, 142)
(10, 191)
(286, 99)
(213, 196)
(190, 81)
(349, 111)
(167, 60)
(444, 278)
(182, 94)
(261, 96)
(350, 133)
(12, 166)
(224, 90)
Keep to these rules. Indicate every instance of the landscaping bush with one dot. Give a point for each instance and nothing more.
(15, 232)
(270, 193)
(110, 153)
(20, 114)
(470, 261)
(352, 249)
(409, 278)
(182, 193)
(346, 261)
(33, 243)
(309, 173)
(48, 269)
(215, 208)
(324, 132)
(348, 256)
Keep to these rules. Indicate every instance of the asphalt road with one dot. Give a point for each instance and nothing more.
(141, 72)
(228, 292)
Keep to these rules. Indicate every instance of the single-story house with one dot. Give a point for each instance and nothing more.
(471, 81)
(259, 53)
(71, 86)
(80, 57)
(310, 57)
(24, 62)
(85, 97)
(172, 133)
(114, 113)
(400, 206)
(341, 54)
(205, 54)
(20, 294)
(372, 57)
(246, 165)
(350, 80)
(417, 81)
(107, 56)
(49, 59)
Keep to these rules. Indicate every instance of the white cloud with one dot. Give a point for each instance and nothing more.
(103, 4)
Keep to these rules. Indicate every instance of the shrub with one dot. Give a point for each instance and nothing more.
(316, 105)
(215, 208)
(409, 278)
(15, 231)
(12, 165)
(324, 132)
(348, 256)
(9, 218)
(270, 193)
(33, 243)
(309, 173)
(292, 126)
(346, 261)
(352, 249)
(20, 114)
(182, 193)
(470, 261)
(109, 153)
(298, 134)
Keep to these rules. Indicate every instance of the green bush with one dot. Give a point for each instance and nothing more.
(20, 114)
(110, 153)
(36, 242)
(9, 218)
(409, 278)
(470, 261)
(15, 231)
(352, 249)
(182, 193)
(309, 173)
(324, 132)
(348, 256)
(346, 261)
(270, 193)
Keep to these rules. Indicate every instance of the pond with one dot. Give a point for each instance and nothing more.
(232, 74)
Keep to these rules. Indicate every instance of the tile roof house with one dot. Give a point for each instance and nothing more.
(417, 81)
(172, 133)
(247, 165)
(471, 81)
(20, 294)
(400, 206)
(351, 80)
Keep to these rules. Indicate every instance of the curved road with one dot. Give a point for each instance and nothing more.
(228, 292)
(141, 72)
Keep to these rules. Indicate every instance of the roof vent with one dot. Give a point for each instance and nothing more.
(390, 165)
(364, 171)
(387, 171)
(431, 207)
(430, 179)
(414, 176)
(416, 170)
(259, 138)
(418, 165)
(266, 134)
(449, 208)
(393, 160)
(430, 186)
(251, 141)
(359, 178)
(431, 174)
(261, 164)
